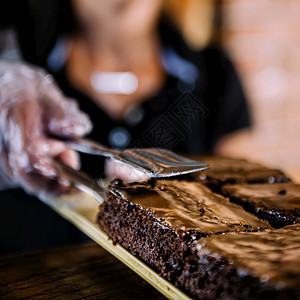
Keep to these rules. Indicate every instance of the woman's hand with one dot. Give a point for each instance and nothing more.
(115, 170)
(32, 108)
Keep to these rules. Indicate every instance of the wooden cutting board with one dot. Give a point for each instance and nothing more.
(81, 209)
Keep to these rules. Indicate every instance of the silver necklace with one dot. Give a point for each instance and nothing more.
(114, 82)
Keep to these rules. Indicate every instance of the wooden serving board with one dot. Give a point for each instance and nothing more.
(81, 209)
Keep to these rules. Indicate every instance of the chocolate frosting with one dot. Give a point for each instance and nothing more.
(281, 196)
(271, 255)
(188, 206)
(238, 170)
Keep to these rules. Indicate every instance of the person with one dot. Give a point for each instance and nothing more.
(129, 70)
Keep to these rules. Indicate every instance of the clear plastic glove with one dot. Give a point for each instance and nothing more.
(31, 109)
(114, 170)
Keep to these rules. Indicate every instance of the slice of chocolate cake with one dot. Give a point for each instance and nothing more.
(252, 265)
(161, 221)
(228, 170)
(279, 204)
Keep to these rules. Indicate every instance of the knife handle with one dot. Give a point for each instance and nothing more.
(81, 180)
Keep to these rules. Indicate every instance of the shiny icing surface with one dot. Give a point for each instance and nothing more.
(271, 255)
(276, 196)
(188, 206)
(237, 170)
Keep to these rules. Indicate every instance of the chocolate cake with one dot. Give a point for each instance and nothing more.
(228, 170)
(279, 204)
(161, 222)
(253, 265)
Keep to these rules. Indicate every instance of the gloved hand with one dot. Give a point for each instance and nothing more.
(114, 170)
(31, 109)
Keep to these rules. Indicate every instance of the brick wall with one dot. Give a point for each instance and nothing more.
(263, 39)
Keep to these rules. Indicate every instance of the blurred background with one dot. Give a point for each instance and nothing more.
(262, 38)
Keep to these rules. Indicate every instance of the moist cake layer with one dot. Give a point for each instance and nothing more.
(256, 265)
(206, 245)
(160, 222)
